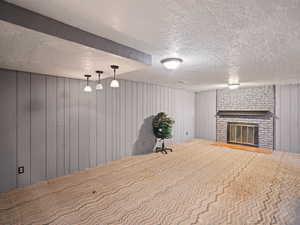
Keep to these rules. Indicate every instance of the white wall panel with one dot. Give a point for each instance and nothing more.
(23, 127)
(38, 128)
(93, 128)
(205, 115)
(60, 126)
(109, 123)
(73, 123)
(83, 130)
(287, 122)
(67, 126)
(51, 127)
(128, 117)
(122, 119)
(8, 131)
(101, 125)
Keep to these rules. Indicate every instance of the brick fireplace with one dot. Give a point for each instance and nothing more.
(253, 106)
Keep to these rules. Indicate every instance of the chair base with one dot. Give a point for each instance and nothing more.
(163, 149)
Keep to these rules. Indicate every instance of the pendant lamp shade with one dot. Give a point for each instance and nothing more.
(114, 83)
(99, 86)
(87, 88)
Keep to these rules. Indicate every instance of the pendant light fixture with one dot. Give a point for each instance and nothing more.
(87, 88)
(99, 86)
(114, 83)
(171, 63)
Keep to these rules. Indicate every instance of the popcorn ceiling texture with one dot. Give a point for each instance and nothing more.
(255, 98)
(257, 40)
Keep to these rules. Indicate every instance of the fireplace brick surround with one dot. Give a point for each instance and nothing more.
(254, 98)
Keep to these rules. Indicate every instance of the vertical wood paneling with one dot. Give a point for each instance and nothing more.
(84, 141)
(298, 119)
(150, 93)
(109, 123)
(277, 116)
(293, 115)
(134, 113)
(113, 138)
(60, 126)
(101, 125)
(161, 99)
(287, 122)
(285, 116)
(92, 127)
(67, 126)
(146, 101)
(61, 129)
(8, 131)
(23, 127)
(123, 119)
(38, 128)
(117, 119)
(158, 99)
(166, 102)
(139, 109)
(74, 137)
(173, 115)
(128, 117)
(51, 144)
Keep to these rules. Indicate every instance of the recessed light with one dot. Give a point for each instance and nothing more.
(171, 63)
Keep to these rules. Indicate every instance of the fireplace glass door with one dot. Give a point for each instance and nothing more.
(242, 133)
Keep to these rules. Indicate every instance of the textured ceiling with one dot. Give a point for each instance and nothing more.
(27, 50)
(253, 41)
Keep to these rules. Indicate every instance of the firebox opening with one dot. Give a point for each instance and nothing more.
(242, 133)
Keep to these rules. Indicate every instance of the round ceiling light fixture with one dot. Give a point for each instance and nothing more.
(234, 86)
(171, 63)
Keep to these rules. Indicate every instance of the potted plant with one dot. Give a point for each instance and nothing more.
(162, 129)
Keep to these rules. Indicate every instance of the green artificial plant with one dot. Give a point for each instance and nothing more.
(162, 126)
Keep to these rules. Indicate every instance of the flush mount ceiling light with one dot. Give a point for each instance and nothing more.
(233, 86)
(99, 86)
(171, 63)
(87, 88)
(114, 83)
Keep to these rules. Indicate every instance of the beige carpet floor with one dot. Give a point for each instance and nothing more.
(196, 184)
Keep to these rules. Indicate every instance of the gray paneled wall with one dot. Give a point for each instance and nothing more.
(288, 118)
(8, 131)
(205, 115)
(52, 127)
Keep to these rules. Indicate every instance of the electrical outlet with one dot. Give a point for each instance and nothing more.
(20, 169)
